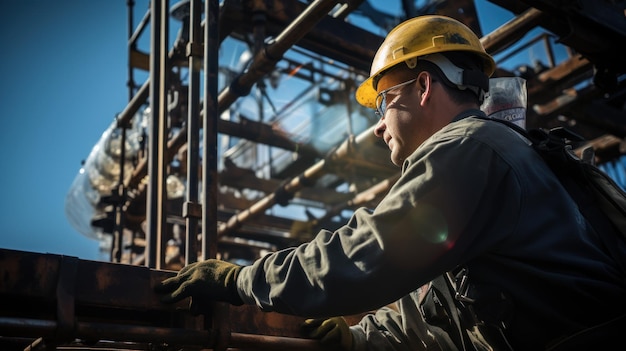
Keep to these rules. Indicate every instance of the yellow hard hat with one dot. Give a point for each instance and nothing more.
(419, 36)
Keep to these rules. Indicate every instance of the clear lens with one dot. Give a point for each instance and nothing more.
(381, 104)
(381, 98)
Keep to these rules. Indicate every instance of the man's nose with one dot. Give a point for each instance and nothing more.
(380, 127)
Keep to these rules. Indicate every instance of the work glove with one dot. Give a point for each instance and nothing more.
(334, 333)
(205, 281)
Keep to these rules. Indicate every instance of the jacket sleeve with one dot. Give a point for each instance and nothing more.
(395, 329)
(382, 331)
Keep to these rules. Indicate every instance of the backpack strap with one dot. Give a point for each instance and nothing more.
(454, 320)
(440, 312)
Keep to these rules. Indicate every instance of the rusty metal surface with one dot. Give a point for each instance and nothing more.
(115, 302)
(331, 37)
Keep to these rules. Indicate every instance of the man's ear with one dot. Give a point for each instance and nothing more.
(424, 82)
(421, 81)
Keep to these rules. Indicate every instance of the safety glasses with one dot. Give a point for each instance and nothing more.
(381, 98)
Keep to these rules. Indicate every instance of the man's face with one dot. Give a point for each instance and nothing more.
(398, 125)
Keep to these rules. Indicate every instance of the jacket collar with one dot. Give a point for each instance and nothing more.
(469, 113)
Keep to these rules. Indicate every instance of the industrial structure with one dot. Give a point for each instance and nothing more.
(242, 136)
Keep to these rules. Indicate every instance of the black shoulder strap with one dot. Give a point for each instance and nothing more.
(444, 293)
(453, 321)
(547, 140)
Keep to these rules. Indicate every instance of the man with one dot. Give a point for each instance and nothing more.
(474, 204)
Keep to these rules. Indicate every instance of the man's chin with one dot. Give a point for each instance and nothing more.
(396, 160)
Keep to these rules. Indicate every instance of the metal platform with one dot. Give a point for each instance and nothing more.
(53, 301)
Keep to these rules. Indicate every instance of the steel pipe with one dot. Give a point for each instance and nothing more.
(508, 33)
(296, 183)
(267, 58)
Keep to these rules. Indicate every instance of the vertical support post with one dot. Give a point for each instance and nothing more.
(192, 210)
(158, 124)
(219, 318)
(163, 133)
(209, 161)
(131, 47)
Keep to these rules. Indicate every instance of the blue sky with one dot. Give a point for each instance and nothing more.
(64, 74)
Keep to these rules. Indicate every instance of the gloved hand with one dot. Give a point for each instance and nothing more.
(333, 333)
(209, 280)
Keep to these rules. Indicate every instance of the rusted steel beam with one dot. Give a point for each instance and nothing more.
(332, 37)
(508, 33)
(270, 343)
(111, 301)
(267, 58)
